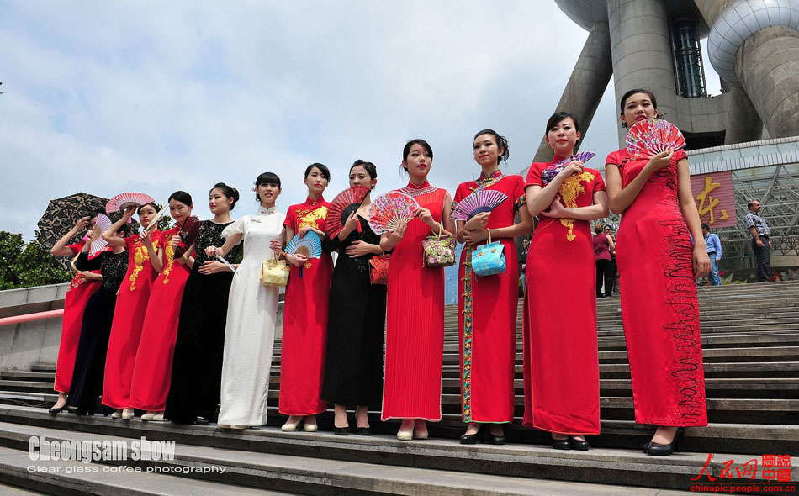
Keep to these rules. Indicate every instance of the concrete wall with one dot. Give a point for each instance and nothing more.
(22, 345)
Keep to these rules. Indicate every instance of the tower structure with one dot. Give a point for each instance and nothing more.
(654, 44)
(754, 47)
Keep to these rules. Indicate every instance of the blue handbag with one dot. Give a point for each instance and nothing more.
(488, 259)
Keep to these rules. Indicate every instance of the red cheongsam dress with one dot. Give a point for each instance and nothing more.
(152, 369)
(487, 314)
(305, 320)
(561, 363)
(660, 310)
(78, 294)
(123, 343)
(415, 323)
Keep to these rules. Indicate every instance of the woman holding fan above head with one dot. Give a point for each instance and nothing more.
(81, 288)
(152, 369)
(305, 307)
(415, 302)
(251, 311)
(144, 264)
(87, 377)
(561, 362)
(650, 182)
(354, 351)
(197, 362)
(488, 294)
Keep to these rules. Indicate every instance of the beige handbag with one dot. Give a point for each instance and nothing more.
(439, 250)
(274, 273)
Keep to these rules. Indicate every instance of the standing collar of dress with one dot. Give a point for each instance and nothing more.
(558, 158)
(417, 189)
(266, 211)
(488, 180)
(311, 202)
(418, 186)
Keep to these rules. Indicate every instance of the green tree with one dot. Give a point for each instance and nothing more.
(23, 265)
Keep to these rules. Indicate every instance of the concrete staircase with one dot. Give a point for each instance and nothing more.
(751, 349)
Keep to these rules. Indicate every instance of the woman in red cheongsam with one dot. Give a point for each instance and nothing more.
(658, 265)
(152, 368)
(487, 305)
(415, 304)
(561, 363)
(81, 288)
(134, 292)
(305, 310)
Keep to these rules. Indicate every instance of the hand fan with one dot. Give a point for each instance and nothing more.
(577, 157)
(334, 222)
(124, 200)
(390, 211)
(163, 213)
(103, 223)
(482, 200)
(309, 245)
(548, 174)
(647, 138)
(189, 230)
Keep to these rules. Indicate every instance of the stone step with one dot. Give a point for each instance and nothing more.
(70, 477)
(452, 333)
(619, 330)
(616, 433)
(26, 375)
(451, 368)
(316, 473)
(7, 490)
(757, 339)
(260, 456)
(43, 367)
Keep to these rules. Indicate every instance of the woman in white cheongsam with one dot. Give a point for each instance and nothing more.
(251, 313)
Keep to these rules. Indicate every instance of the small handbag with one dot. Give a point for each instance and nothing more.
(274, 273)
(378, 269)
(439, 251)
(488, 259)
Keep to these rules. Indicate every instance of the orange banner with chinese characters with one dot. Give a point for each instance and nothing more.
(715, 198)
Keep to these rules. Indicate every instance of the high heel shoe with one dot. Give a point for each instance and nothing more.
(470, 438)
(561, 444)
(56, 411)
(290, 427)
(405, 435)
(579, 445)
(657, 449)
(495, 439)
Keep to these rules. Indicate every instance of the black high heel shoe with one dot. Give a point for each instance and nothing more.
(341, 430)
(56, 411)
(657, 449)
(579, 445)
(561, 444)
(470, 438)
(495, 439)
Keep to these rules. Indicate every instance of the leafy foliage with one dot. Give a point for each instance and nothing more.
(23, 265)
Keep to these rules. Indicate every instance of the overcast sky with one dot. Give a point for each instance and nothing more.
(104, 97)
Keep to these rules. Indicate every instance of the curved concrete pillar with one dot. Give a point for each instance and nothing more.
(586, 85)
(742, 123)
(767, 67)
(641, 51)
(711, 9)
